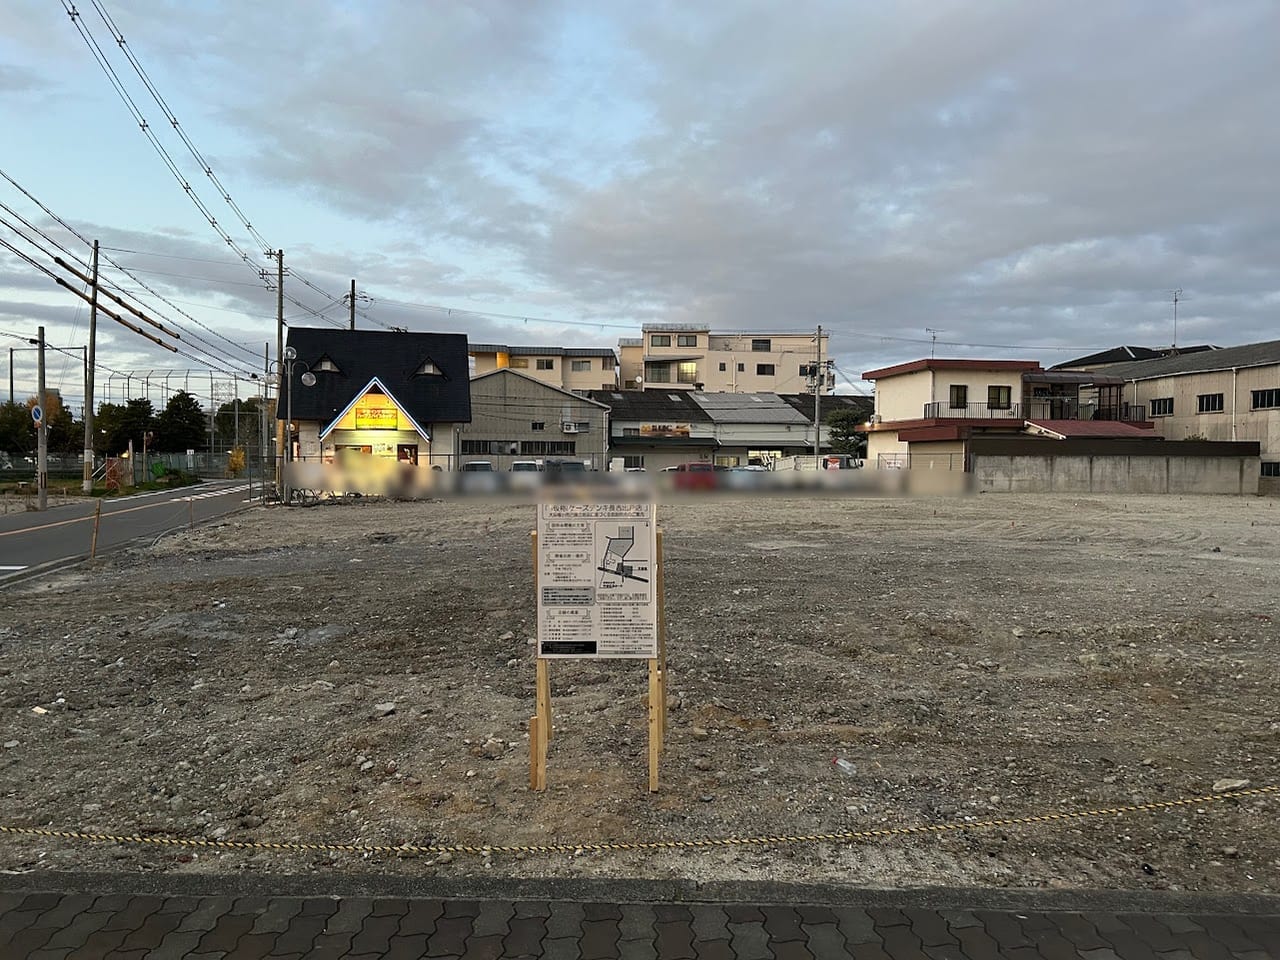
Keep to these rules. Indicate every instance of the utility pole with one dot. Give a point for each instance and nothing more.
(280, 425)
(817, 404)
(87, 481)
(262, 433)
(353, 303)
(42, 436)
(11, 374)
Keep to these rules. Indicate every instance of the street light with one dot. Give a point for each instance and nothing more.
(308, 380)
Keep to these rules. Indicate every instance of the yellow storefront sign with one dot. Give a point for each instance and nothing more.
(373, 411)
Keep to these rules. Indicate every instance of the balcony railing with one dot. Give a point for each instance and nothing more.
(1049, 408)
(971, 411)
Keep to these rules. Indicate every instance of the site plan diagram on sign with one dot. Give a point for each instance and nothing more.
(620, 562)
(596, 589)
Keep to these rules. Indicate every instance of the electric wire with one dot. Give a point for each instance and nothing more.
(131, 105)
(107, 282)
(118, 36)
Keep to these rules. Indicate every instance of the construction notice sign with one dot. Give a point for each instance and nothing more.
(597, 594)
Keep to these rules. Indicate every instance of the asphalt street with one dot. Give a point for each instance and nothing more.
(33, 539)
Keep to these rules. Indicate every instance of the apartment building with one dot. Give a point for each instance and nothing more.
(682, 356)
(567, 368)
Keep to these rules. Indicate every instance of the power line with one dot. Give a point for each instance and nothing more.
(989, 346)
(118, 36)
(131, 105)
(131, 275)
(134, 111)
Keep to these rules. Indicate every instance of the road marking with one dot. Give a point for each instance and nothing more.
(208, 495)
(108, 513)
(10, 568)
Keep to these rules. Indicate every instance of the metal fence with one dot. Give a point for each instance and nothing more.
(921, 461)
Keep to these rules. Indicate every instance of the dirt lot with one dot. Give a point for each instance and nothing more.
(986, 657)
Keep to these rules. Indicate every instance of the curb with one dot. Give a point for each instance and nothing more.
(643, 891)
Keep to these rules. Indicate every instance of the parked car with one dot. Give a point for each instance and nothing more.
(478, 466)
(698, 476)
(525, 466)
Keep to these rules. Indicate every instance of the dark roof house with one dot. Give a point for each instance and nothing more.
(426, 373)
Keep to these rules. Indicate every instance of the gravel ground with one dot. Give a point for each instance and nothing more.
(362, 673)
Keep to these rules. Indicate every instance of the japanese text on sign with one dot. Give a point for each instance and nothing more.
(596, 580)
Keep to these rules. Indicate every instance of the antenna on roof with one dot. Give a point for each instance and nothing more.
(933, 339)
(1177, 296)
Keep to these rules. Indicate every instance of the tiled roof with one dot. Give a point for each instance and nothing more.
(1224, 358)
(862, 406)
(749, 408)
(1094, 428)
(1126, 354)
(394, 358)
(651, 406)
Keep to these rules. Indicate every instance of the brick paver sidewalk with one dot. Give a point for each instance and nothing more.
(43, 917)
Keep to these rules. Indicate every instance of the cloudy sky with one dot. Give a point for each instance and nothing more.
(1029, 179)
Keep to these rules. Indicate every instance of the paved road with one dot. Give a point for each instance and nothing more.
(43, 917)
(29, 540)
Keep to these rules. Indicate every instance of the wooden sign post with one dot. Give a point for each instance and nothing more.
(599, 587)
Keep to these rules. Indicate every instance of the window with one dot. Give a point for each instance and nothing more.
(687, 372)
(959, 396)
(583, 426)
(999, 398)
(723, 367)
(660, 340)
(742, 367)
(631, 431)
(660, 373)
(687, 340)
(548, 448)
(326, 365)
(579, 366)
(1209, 403)
(761, 345)
(806, 369)
(546, 363)
(538, 425)
(1162, 407)
(1266, 399)
(519, 363)
(764, 369)
(1271, 468)
(487, 448)
(633, 463)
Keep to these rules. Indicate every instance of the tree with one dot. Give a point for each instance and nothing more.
(118, 424)
(62, 435)
(249, 413)
(846, 433)
(181, 425)
(16, 429)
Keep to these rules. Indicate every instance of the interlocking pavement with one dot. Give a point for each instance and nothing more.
(157, 917)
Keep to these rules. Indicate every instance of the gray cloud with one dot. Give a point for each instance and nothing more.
(1017, 175)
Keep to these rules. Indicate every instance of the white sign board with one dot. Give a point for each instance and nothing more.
(597, 596)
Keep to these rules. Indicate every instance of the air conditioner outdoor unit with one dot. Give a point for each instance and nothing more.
(569, 426)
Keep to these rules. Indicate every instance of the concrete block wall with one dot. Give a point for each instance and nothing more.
(1115, 474)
